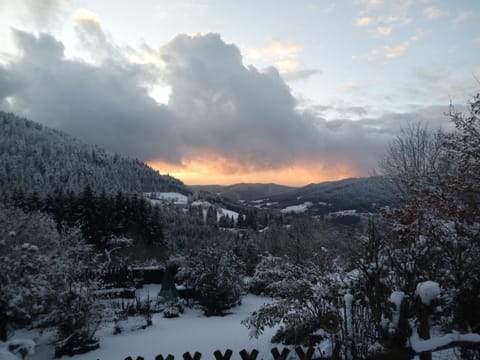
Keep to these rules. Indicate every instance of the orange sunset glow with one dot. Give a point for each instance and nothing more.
(205, 172)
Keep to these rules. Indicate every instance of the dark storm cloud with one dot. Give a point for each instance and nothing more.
(217, 105)
(100, 104)
(236, 111)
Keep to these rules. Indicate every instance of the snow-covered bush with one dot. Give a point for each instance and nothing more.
(46, 278)
(171, 312)
(77, 321)
(274, 276)
(215, 276)
(304, 295)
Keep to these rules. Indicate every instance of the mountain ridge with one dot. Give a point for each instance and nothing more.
(360, 193)
(244, 191)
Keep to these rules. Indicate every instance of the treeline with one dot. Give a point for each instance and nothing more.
(100, 216)
(37, 158)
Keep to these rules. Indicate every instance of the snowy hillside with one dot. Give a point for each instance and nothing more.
(40, 159)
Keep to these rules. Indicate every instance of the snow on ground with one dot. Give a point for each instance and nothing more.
(230, 213)
(190, 332)
(342, 213)
(202, 203)
(170, 197)
(148, 291)
(220, 211)
(297, 209)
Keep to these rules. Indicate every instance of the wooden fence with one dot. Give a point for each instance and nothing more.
(301, 354)
(311, 354)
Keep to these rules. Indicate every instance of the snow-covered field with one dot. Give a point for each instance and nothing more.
(297, 209)
(167, 197)
(192, 332)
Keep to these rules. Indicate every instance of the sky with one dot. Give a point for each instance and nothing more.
(224, 91)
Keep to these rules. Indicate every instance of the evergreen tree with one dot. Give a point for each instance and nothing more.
(89, 219)
(211, 218)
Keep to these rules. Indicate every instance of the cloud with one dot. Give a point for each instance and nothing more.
(300, 74)
(382, 31)
(287, 65)
(350, 85)
(433, 13)
(160, 11)
(476, 41)
(219, 111)
(44, 13)
(392, 52)
(440, 82)
(364, 21)
(192, 6)
(374, 3)
(274, 49)
(88, 28)
(462, 17)
(86, 16)
(103, 104)
(353, 110)
(369, 3)
(285, 56)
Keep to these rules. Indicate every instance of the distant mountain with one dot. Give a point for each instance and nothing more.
(361, 194)
(245, 191)
(37, 158)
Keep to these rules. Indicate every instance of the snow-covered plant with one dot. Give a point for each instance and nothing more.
(433, 235)
(46, 278)
(27, 279)
(275, 276)
(171, 312)
(215, 276)
(304, 295)
(78, 318)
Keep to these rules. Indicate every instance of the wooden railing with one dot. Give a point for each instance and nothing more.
(309, 354)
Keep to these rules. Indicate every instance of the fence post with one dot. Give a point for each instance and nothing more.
(302, 355)
(278, 356)
(196, 356)
(246, 356)
(160, 357)
(219, 356)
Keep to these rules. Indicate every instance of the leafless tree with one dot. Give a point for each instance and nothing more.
(413, 156)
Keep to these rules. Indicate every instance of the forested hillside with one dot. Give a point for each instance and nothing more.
(245, 191)
(34, 158)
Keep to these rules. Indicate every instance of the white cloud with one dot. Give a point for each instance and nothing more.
(388, 19)
(192, 6)
(433, 12)
(462, 17)
(392, 52)
(274, 49)
(374, 3)
(298, 75)
(349, 85)
(85, 15)
(369, 3)
(364, 21)
(287, 65)
(382, 31)
(160, 11)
